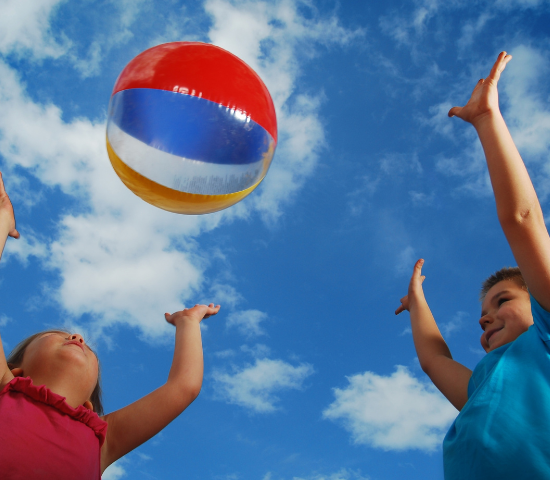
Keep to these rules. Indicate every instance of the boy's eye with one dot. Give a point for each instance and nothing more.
(501, 301)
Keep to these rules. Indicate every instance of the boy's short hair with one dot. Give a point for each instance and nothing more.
(506, 273)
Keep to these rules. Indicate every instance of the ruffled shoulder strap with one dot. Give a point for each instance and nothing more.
(44, 395)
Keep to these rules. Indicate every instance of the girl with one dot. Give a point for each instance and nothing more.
(50, 397)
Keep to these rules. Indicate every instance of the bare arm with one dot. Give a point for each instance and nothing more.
(133, 425)
(7, 228)
(518, 207)
(435, 358)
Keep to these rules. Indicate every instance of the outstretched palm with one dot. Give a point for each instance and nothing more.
(484, 99)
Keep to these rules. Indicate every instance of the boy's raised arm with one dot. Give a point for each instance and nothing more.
(435, 358)
(7, 228)
(518, 207)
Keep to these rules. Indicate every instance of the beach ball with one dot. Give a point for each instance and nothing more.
(191, 128)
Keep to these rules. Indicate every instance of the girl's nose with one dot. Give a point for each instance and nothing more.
(77, 337)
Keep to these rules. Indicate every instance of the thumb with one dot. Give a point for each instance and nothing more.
(454, 112)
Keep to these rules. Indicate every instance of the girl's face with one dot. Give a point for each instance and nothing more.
(54, 355)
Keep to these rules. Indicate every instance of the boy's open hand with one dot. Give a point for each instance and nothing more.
(6, 211)
(415, 287)
(484, 99)
(197, 313)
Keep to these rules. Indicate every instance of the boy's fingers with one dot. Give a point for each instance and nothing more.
(399, 310)
(14, 234)
(2, 189)
(418, 267)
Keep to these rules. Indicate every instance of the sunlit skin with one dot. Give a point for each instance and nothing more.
(64, 363)
(505, 314)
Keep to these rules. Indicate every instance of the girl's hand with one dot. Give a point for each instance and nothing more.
(484, 99)
(415, 287)
(6, 211)
(197, 313)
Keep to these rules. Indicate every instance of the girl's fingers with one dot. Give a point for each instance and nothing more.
(499, 66)
(453, 112)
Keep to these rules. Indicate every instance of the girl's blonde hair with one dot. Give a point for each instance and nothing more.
(16, 357)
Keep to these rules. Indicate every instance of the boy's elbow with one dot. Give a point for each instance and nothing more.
(521, 217)
(428, 366)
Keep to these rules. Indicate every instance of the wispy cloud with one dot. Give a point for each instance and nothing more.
(454, 324)
(247, 322)
(397, 412)
(25, 28)
(256, 386)
(405, 261)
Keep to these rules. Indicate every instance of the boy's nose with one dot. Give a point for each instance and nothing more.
(485, 320)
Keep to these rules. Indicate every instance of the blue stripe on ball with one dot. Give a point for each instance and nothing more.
(189, 126)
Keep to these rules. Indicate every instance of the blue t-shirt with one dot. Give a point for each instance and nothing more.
(503, 431)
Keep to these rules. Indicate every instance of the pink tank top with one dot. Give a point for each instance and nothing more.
(42, 437)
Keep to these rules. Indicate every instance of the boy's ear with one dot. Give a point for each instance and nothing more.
(15, 371)
(88, 405)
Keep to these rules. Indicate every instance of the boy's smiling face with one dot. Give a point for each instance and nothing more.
(505, 314)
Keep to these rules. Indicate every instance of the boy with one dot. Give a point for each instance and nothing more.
(503, 428)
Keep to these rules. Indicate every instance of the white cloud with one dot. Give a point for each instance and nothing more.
(255, 386)
(25, 28)
(113, 472)
(247, 322)
(24, 247)
(397, 412)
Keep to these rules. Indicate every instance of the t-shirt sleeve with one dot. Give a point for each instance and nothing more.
(541, 318)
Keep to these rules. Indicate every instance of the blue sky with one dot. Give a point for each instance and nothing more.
(308, 373)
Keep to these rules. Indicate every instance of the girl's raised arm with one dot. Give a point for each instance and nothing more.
(133, 425)
(7, 228)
